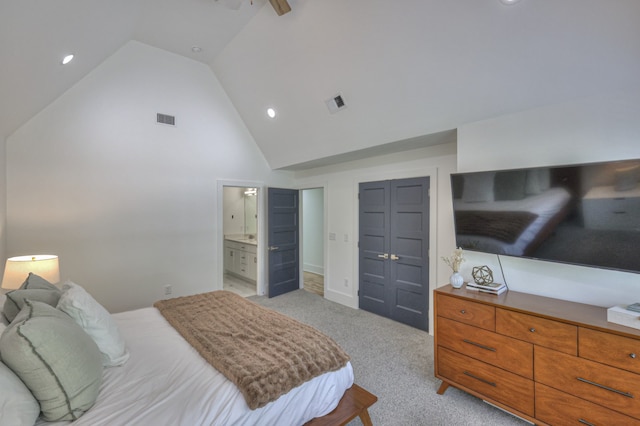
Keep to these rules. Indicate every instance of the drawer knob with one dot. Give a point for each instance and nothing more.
(462, 311)
(533, 330)
(632, 355)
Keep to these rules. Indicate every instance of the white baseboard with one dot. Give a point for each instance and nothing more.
(313, 269)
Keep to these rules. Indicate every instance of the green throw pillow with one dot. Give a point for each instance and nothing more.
(15, 300)
(60, 364)
(34, 281)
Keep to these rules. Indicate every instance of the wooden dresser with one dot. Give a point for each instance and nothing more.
(549, 361)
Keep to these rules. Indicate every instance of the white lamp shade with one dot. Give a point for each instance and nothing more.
(17, 269)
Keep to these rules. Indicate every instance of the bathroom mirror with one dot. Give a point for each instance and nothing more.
(251, 211)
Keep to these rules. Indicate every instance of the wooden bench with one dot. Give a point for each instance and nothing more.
(354, 403)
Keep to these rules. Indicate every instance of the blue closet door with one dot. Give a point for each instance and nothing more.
(394, 250)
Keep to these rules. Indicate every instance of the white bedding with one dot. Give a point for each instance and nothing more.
(166, 382)
(546, 205)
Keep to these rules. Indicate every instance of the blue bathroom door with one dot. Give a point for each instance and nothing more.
(283, 214)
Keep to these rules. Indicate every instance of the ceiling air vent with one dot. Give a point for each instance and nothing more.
(166, 119)
(336, 103)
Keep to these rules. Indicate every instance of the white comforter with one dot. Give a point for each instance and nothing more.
(166, 382)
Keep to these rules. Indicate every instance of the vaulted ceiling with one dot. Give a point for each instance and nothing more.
(408, 70)
(35, 35)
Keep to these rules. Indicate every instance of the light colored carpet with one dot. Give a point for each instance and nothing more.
(393, 361)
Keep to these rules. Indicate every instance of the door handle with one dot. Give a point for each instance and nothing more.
(272, 248)
(383, 256)
(394, 257)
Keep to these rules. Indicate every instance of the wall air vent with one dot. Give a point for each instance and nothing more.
(335, 103)
(166, 119)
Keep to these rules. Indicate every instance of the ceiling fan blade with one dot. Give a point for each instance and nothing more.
(281, 6)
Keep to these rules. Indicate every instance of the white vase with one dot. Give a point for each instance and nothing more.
(456, 280)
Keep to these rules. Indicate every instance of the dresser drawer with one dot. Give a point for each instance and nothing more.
(468, 312)
(502, 351)
(561, 409)
(489, 381)
(618, 351)
(539, 331)
(608, 386)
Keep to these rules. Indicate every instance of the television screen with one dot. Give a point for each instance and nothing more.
(586, 214)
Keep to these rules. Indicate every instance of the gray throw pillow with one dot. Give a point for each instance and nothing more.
(59, 363)
(34, 281)
(15, 300)
(510, 185)
(3, 319)
(478, 187)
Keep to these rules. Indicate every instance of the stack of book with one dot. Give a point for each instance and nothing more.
(493, 288)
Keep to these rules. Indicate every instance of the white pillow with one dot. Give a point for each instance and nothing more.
(96, 322)
(532, 184)
(18, 405)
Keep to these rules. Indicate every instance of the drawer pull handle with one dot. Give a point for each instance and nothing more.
(480, 379)
(632, 355)
(627, 394)
(479, 345)
(584, 422)
(462, 311)
(533, 330)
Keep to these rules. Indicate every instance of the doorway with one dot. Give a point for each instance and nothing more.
(240, 229)
(313, 240)
(394, 249)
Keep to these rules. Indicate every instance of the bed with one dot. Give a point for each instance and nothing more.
(502, 222)
(165, 380)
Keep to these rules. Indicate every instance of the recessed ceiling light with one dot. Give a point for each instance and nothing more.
(67, 59)
(509, 2)
(196, 49)
(271, 113)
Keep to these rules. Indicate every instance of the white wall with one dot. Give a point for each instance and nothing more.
(341, 185)
(130, 205)
(590, 129)
(313, 230)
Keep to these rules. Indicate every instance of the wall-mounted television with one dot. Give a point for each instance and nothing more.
(587, 214)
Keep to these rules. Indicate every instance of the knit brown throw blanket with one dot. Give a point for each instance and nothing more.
(502, 225)
(265, 353)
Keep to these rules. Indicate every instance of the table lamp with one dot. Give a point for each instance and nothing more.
(17, 269)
